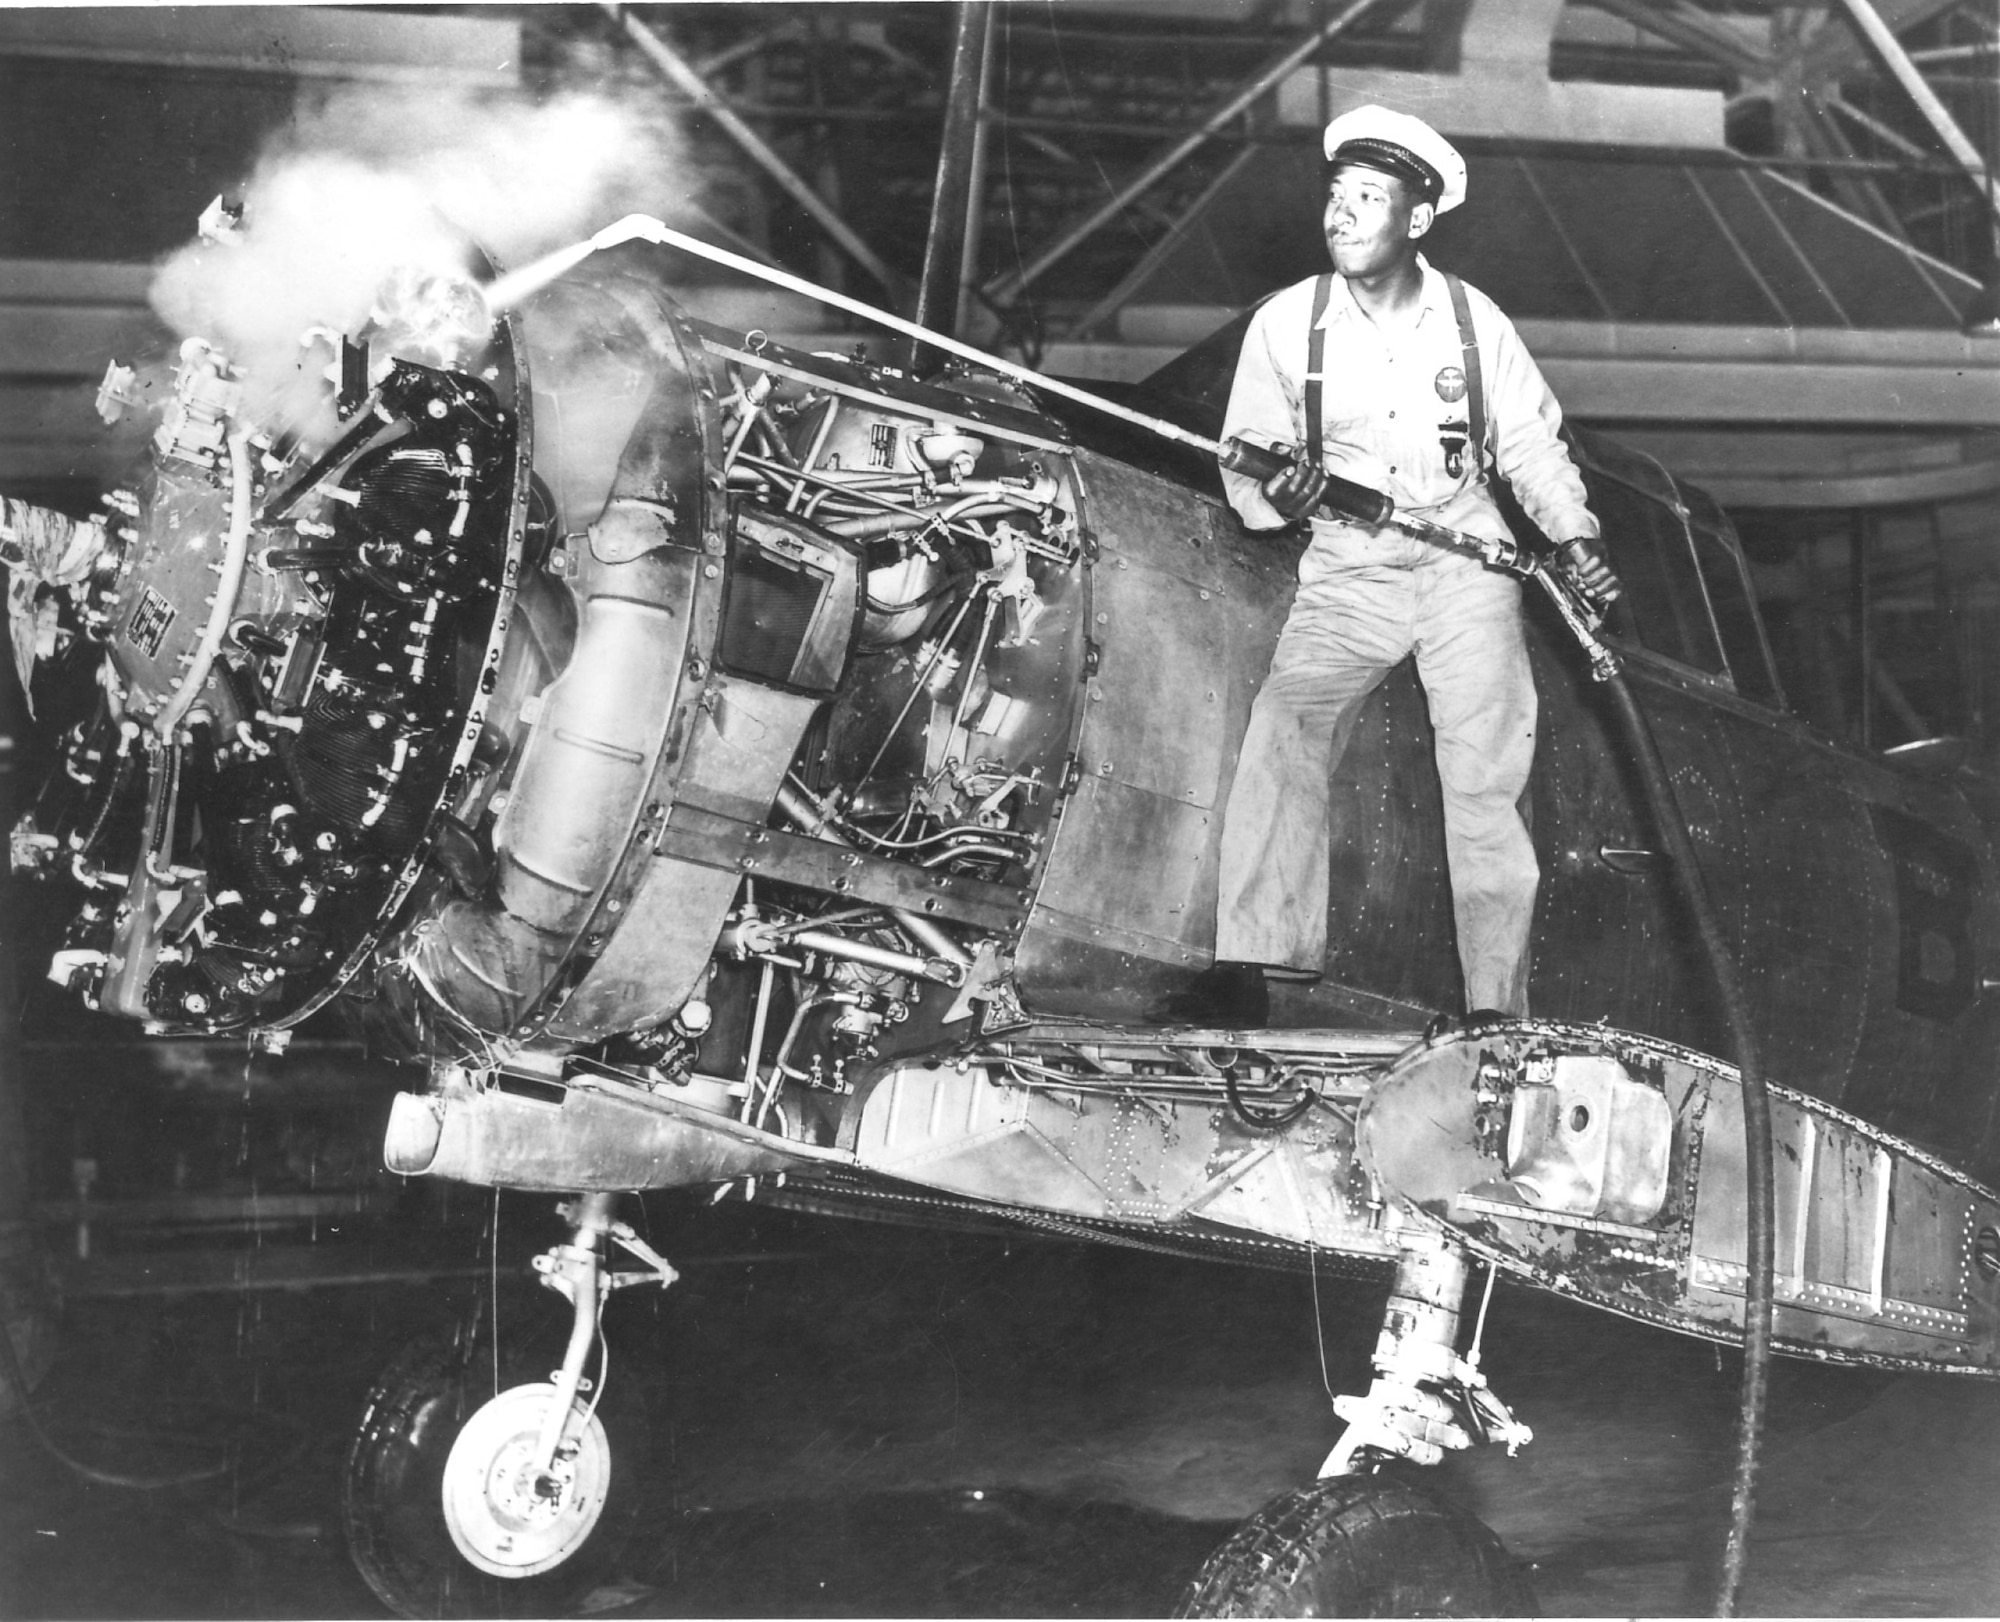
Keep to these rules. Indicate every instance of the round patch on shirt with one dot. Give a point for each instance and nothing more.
(1450, 385)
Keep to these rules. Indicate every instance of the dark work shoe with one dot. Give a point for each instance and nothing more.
(1224, 994)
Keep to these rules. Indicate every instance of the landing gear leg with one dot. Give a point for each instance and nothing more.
(1358, 1544)
(468, 1495)
(528, 1476)
(1425, 1397)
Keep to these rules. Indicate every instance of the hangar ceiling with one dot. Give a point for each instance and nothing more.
(1701, 211)
(1709, 216)
(1082, 97)
(1716, 214)
(1729, 213)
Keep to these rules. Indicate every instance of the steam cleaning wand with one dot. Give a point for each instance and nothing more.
(1375, 510)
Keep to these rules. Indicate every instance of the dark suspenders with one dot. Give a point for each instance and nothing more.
(1315, 368)
(1475, 383)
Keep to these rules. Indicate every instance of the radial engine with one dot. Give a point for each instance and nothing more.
(573, 691)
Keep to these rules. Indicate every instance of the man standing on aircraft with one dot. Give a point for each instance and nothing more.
(1407, 381)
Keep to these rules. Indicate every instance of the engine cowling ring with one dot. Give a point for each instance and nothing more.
(576, 812)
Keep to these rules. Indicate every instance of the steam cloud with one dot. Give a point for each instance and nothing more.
(371, 180)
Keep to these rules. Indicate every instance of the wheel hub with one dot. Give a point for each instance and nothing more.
(517, 1491)
(507, 1516)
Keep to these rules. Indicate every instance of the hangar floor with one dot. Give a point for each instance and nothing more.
(850, 1419)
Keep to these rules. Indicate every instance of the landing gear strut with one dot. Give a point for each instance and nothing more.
(450, 1486)
(527, 1478)
(1360, 1544)
(1425, 1397)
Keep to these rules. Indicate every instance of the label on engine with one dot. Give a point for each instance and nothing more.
(150, 621)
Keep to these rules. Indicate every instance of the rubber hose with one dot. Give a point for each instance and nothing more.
(1255, 1117)
(121, 774)
(1756, 1132)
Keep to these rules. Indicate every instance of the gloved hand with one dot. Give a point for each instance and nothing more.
(1295, 491)
(1592, 573)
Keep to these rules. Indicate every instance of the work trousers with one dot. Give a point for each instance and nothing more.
(1350, 624)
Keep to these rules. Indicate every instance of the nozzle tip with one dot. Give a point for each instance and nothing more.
(641, 227)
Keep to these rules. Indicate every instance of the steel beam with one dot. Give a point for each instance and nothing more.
(1957, 53)
(1150, 260)
(1879, 34)
(1861, 196)
(1833, 52)
(322, 43)
(951, 193)
(681, 74)
(750, 45)
(975, 199)
(1835, 102)
(1692, 31)
(1258, 84)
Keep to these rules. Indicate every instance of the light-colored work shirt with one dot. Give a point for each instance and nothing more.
(1394, 402)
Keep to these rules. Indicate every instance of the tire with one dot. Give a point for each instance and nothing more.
(392, 1497)
(1359, 1546)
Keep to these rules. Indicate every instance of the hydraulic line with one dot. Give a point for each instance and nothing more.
(755, 1108)
(1259, 1120)
(85, 843)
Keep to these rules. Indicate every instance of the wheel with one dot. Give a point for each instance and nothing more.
(1359, 1546)
(441, 1517)
(506, 1516)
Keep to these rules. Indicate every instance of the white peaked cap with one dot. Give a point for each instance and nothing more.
(1401, 145)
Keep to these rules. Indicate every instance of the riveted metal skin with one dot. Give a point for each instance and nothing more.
(1876, 1239)
(842, 761)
